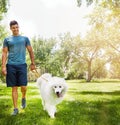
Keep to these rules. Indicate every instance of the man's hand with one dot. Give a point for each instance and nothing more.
(32, 67)
(4, 72)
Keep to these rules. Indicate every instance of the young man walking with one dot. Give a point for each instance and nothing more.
(14, 65)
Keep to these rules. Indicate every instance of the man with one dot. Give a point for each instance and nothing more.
(14, 65)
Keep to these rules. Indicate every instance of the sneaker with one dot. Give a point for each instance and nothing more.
(23, 103)
(15, 111)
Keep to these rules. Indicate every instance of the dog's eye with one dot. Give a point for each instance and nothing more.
(60, 86)
(55, 86)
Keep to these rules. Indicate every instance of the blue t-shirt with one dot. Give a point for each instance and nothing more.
(17, 49)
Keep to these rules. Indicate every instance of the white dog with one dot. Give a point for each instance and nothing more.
(52, 90)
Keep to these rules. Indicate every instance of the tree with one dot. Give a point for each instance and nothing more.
(105, 3)
(44, 54)
(3, 33)
(91, 52)
(105, 23)
(65, 51)
(3, 8)
(115, 66)
(69, 64)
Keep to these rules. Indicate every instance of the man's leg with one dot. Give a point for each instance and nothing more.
(23, 90)
(15, 98)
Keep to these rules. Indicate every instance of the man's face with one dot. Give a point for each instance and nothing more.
(15, 29)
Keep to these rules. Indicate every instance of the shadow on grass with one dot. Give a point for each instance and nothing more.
(69, 113)
(114, 93)
(86, 112)
(91, 113)
(99, 93)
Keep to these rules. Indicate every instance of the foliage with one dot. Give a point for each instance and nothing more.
(66, 52)
(3, 33)
(3, 7)
(44, 51)
(84, 104)
(115, 66)
(105, 3)
(105, 29)
(3, 10)
(2, 36)
(74, 57)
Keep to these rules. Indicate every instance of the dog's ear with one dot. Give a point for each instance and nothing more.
(65, 86)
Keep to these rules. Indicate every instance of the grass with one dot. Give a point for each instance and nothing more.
(84, 104)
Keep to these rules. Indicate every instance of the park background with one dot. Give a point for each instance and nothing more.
(83, 48)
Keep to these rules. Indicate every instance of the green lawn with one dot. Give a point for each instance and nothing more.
(84, 104)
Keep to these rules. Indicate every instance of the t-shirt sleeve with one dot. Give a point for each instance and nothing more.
(5, 43)
(27, 41)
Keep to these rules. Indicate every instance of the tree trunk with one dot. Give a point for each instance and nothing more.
(89, 72)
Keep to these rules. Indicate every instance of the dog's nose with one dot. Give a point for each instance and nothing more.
(57, 92)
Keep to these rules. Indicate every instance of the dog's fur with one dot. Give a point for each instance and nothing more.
(52, 90)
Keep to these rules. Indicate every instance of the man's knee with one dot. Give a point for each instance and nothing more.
(14, 89)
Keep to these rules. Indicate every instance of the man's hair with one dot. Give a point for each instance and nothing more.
(13, 22)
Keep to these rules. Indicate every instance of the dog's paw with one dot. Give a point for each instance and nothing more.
(52, 117)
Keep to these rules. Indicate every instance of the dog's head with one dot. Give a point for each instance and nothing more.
(59, 87)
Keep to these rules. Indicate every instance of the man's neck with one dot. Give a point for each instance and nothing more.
(15, 34)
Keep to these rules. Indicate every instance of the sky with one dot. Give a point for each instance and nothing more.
(48, 18)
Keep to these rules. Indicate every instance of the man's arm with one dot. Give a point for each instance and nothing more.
(4, 58)
(30, 50)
